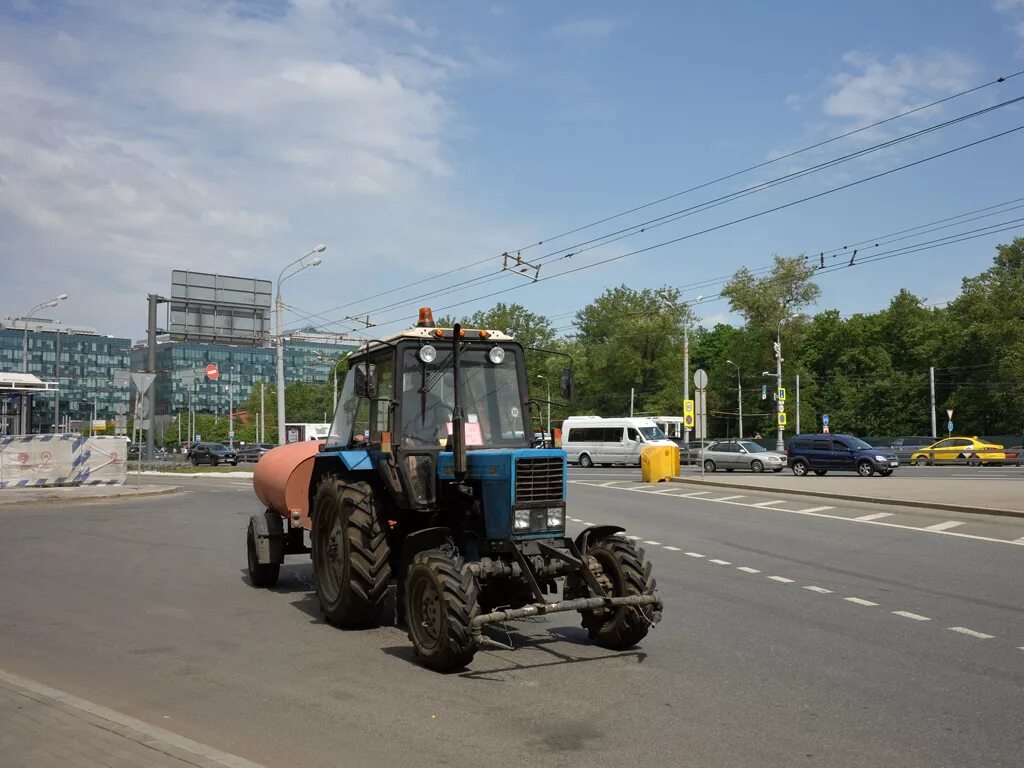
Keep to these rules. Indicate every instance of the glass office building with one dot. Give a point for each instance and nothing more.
(84, 373)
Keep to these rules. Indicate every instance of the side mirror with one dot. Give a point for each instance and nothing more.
(366, 380)
(567, 385)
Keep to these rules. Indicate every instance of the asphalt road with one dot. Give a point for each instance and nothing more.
(794, 634)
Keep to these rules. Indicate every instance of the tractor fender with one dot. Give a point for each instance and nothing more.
(269, 530)
(595, 531)
(427, 538)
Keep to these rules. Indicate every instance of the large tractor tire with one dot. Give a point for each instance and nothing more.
(622, 569)
(351, 555)
(441, 600)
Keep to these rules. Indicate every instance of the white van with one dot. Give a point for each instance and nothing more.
(591, 440)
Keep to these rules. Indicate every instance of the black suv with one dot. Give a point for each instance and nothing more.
(844, 453)
(212, 454)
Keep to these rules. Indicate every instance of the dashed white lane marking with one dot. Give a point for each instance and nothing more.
(720, 562)
(665, 489)
(819, 590)
(693, 554)
(692, 495)
(810, 510)
(781, 579)
(633, 538)
(727, 498)
(124, 721)
(610, 483)
(859, 601)
(767, 503)
(652, 543)
(575, 519)
(672, 549)
(912, 616)
(943, 526)
(746, 569)
(971, 633)
(876, 516)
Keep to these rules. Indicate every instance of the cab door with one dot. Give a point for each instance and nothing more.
(633, 446)
(842, 455)
(946, 451)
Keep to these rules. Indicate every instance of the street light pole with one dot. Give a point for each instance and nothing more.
(548, 382)
(26, 414)
(686, 352)
(279, 309)
(739, 395)
(231, 412)
(780, 444)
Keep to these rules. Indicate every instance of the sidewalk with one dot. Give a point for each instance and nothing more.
(41, 727)
(907, 488)
(81, 493)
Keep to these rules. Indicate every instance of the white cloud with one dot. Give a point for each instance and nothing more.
(586, 31)
(875, 89)
(149, 136)
(795, 101)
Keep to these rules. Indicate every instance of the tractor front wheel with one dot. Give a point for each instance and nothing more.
(441, 601)
(351, 555)
(622, 570)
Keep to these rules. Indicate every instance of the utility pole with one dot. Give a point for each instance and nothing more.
(263, 417)
(231, 412)
(56, 378)
(780, 444)
(151, 368)
(631, 393)
(931, 379)
(798, 404)
(739, 395)
(686, 372)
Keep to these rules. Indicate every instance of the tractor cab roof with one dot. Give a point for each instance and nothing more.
(425, 330)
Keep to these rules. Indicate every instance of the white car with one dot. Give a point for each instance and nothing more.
(591, 440)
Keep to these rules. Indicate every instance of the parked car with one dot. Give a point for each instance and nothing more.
(590, 440)
(689, 450)
(1015, 455)
(960, 450)
(253, 452)
(822, 454)
(741, 454)
(212, 454)
(135, 451)
(905, 447)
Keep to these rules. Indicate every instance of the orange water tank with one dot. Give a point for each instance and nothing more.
(282, 476)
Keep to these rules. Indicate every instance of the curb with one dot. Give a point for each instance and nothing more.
(154, 473)
(870, 499)
(162, 490)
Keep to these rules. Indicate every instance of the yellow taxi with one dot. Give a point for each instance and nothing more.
(959, 450)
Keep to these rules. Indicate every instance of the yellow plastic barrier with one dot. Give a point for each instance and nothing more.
(659, 462)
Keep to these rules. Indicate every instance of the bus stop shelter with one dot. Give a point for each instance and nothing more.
(16, 393)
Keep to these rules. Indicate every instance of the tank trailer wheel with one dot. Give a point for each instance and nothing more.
(622, 569)
(351, 555)
(441, 601)
(261, 575)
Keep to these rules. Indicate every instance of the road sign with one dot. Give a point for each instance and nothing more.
(949, 427)
(700, 378)
(782, 407)
(825, 429)
(143, 381)
(824, 419)
(199, 438)
(782, 418)
(782, 394)
(949, 414)
(764, 391)
(212, 373)
(688, 418)
(231, 435)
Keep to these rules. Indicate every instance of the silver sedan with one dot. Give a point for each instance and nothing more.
(741, 454)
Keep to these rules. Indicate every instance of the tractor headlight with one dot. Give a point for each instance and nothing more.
(556, 517)
(496, 355)
(427, 354)
(521, 522)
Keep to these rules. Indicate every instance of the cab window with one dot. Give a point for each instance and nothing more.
(632, 434)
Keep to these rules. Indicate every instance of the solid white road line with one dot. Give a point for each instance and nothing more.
(1019, 541)
(610, 483)
(913, 616)
(693, 554)
(876, 516)
(727, 498)
(943, 526)
(203, 751)
(781, 579)
(672, 549)
(665, 489)
(693, 495)
(814, 509)
(859, 601)
(575, 519)
(819, 590)
(971, 633)
(720, 562)
(652, 543)
(746, 569)
(767, 503)
(633, 538)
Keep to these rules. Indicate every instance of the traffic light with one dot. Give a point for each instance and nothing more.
(764, 391)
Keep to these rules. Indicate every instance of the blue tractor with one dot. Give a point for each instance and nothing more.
(432, 479)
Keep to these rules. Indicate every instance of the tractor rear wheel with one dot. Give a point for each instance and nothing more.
(622, 570)
(351, 554)
(441, 601)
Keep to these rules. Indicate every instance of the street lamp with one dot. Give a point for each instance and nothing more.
(279, 308)
(548, 382)
(686, 349)
(51, 303)
(780, 444)
(739, 394)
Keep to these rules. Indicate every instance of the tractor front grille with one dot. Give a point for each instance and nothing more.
(539, 480)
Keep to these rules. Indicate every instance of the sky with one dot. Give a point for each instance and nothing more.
(418, 139)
